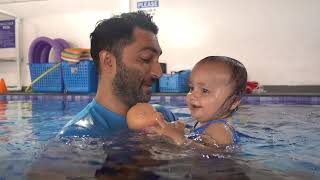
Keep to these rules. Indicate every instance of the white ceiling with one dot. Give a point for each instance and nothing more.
(36, 8)
(17, 1)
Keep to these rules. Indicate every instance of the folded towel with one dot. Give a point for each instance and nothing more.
(66, 54)
(77, 50)
(76, 54)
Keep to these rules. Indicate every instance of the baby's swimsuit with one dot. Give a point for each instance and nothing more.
(200, 130)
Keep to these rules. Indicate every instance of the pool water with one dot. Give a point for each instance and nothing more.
(277, 142)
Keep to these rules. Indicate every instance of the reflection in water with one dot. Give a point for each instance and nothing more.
(3, 107)
(15, 138)
(133, 156)
(14, 127)
(142, 166)
(277, 142)
(133, 165)
(3, 129)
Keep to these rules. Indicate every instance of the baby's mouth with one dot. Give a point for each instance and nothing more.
(193, 106)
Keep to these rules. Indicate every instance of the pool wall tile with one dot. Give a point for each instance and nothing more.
(174, 100)
(314, 100)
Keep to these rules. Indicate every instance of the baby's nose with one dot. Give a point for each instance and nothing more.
(193, 96)
(196, 93)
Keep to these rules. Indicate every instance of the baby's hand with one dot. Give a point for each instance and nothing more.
(175, 130)
(179, 126)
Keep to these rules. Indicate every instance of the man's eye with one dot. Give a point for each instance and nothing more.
(146, 60)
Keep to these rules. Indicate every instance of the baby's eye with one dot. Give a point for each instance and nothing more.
(191, 88)
(206, 91)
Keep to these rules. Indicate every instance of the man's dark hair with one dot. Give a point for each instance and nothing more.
(238, 72)
(115, 33)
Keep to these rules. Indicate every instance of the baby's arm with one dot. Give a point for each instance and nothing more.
(218, 134)
(215, 135)
(174, 131)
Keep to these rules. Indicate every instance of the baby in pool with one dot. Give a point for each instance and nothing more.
(216, 86)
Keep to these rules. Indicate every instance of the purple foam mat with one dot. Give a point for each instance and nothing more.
(40, 48)
(176, 100)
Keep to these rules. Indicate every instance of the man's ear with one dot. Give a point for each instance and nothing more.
(236, 103)
(107, 61)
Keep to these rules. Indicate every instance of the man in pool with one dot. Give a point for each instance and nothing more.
(126, 51)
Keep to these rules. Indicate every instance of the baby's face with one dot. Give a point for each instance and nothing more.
(209, 88)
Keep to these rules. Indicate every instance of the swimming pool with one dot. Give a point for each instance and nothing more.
(280, 140)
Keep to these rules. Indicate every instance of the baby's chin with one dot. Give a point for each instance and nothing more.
(200, 119)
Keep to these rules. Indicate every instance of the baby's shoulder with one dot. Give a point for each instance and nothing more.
(220, 132)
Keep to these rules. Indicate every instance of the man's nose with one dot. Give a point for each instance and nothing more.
(156, 71)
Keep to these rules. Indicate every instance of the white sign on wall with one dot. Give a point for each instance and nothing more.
(149, 7)
(7, 34)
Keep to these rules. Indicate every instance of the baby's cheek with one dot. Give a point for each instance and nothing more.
(211, 100)
(188, 99)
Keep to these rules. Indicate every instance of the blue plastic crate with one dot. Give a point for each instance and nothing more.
(176, 82)
(80, 77)
(52, 82)
(155, 86)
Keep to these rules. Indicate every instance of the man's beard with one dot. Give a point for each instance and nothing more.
(127, 85)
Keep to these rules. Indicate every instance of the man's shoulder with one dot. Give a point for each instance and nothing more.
(94, 121)
(80, 125)
(83, 124)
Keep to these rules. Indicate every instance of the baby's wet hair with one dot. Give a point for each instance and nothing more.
(238, 72)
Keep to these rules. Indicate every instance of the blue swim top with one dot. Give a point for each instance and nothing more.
(200, 130)
(95, 120)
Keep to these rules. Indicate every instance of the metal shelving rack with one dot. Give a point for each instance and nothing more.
(17, 57)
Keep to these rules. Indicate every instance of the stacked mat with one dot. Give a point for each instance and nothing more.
(75, 55)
